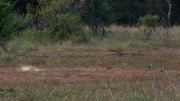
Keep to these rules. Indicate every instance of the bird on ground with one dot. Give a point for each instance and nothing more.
(150, 66)
(107, 67)
(32, 68)
(133, 54)
(162, 70)
(119, 53)
(139, 53)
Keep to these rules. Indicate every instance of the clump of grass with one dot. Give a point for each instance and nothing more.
(19, 45)
(7, 59)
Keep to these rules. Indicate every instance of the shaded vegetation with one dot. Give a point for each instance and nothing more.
(66, 19)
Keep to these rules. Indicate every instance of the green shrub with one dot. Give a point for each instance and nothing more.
(14, 24)
(68, 25)
(4, 13)
(56, 17)
(35, 35)
(149, 20)
(11, 23)
(20, 44)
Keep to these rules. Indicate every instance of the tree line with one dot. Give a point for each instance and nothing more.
(62, 19)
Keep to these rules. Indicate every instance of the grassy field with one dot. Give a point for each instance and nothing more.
(117, 38)
(76, 72)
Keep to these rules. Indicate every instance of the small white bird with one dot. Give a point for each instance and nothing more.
(162, 70)
(150, 66)
(107, 67)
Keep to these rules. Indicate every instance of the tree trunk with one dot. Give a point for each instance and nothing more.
(169, 13)
(164, 19)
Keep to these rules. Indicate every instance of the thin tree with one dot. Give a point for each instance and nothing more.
(169, 13)
(167, 19)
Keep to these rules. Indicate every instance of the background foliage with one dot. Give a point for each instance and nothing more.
(52, 20)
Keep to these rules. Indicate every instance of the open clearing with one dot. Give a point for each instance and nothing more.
(73, 75)
(124, 68)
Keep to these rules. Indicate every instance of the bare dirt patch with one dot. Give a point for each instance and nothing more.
(86, 54)
(72, 76)
(78, 75)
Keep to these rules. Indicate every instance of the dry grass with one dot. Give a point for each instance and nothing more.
(82, 76)
(118, 38)
(123, 39)
(75, 72)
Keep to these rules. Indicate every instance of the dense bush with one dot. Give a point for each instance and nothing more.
(35, 35)
(57, 18)
(11, 23)
(149, 20)
(68, 25)
(5, 11)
